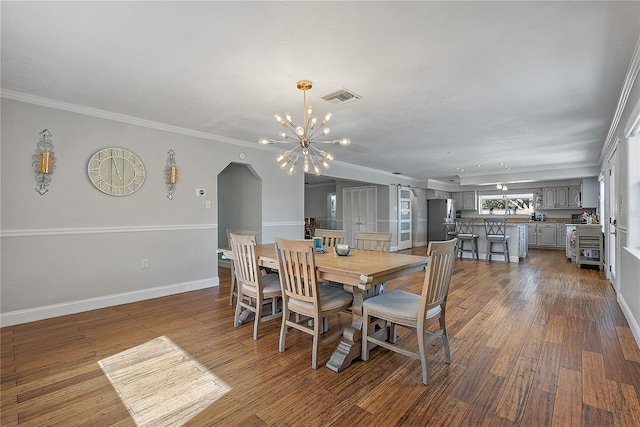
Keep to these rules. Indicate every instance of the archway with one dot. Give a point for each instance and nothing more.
(239, 201)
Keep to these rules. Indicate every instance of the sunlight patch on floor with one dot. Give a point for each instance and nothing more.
(160, 384)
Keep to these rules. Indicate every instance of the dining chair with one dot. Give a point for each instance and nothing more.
(330, 238)
(496, 232)
(254, 287)
(465, 234)
(232, 292)
(412, 311)
(303, 295)
(372, 241)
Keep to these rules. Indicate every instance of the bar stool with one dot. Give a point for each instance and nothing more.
(464, 233)
(496, 230)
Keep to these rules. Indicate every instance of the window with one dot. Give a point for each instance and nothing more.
(506, 204)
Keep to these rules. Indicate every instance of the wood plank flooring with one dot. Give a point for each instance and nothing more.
(538, 343)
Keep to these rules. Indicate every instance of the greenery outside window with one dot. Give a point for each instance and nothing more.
(506, 204)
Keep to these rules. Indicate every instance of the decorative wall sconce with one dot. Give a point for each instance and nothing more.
(171, 174)
(44, 162)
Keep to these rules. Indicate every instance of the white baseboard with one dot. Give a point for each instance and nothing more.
(633, 324)
(49, 311)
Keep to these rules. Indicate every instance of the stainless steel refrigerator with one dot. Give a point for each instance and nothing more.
(439, 212)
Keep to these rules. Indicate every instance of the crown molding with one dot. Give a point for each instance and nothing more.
(632, 74)
(108, 115)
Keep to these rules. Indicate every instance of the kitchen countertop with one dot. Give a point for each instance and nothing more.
(524, 220)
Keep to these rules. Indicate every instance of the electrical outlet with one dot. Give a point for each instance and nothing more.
(145, 263)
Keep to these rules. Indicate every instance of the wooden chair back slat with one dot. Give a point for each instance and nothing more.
(372, 241)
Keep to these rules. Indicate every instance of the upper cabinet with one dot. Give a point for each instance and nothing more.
(574, 197)
(560, 197)
(467, 200)
(585, 196)
(438, 194)
(457, 197)
(589, 190)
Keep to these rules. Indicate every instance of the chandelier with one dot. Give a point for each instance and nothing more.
(308, 133)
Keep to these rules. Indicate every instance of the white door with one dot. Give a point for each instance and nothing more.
(404, 218)
(612, 223)
(359, 211)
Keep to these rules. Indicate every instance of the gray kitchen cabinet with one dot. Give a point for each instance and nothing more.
(470, 201)
(561, 233)
(533, 234)
(560, 197)
(548, 198)
(574, 197)
(465, 200)
(547, 235)
(589, 193)
(457, 197)
(438, 194)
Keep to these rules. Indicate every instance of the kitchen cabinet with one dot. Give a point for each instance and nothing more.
(589, 193)
(561, 233)
(470, 201)
(533, 234)
(438, 194)
(546, 235)
(466, 200)
(560, 197)
(457, 197)
(574, 197)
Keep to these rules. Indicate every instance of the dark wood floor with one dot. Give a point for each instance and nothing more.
(537, 343)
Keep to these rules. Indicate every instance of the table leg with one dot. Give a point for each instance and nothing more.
(350, 346)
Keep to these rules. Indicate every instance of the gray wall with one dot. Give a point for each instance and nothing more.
(75, 248)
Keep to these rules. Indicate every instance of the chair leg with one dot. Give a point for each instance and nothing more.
(233, 283)
(256, 321)
(364, 354)
(423, 355)
(506, 251)
(445, 340)
(317, 326)
(392, 333)
(236, 319)
(283, 328)
(475, 249)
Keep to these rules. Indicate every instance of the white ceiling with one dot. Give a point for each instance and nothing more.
(444, 84)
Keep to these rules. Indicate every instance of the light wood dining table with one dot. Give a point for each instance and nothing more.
(361, 273)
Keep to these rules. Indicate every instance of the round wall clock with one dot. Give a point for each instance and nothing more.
(116, 171)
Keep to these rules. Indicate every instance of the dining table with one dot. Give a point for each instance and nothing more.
(362, 273)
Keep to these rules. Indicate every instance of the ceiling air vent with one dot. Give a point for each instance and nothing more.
(341, 96)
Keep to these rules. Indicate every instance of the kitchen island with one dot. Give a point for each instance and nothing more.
(518, 240)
